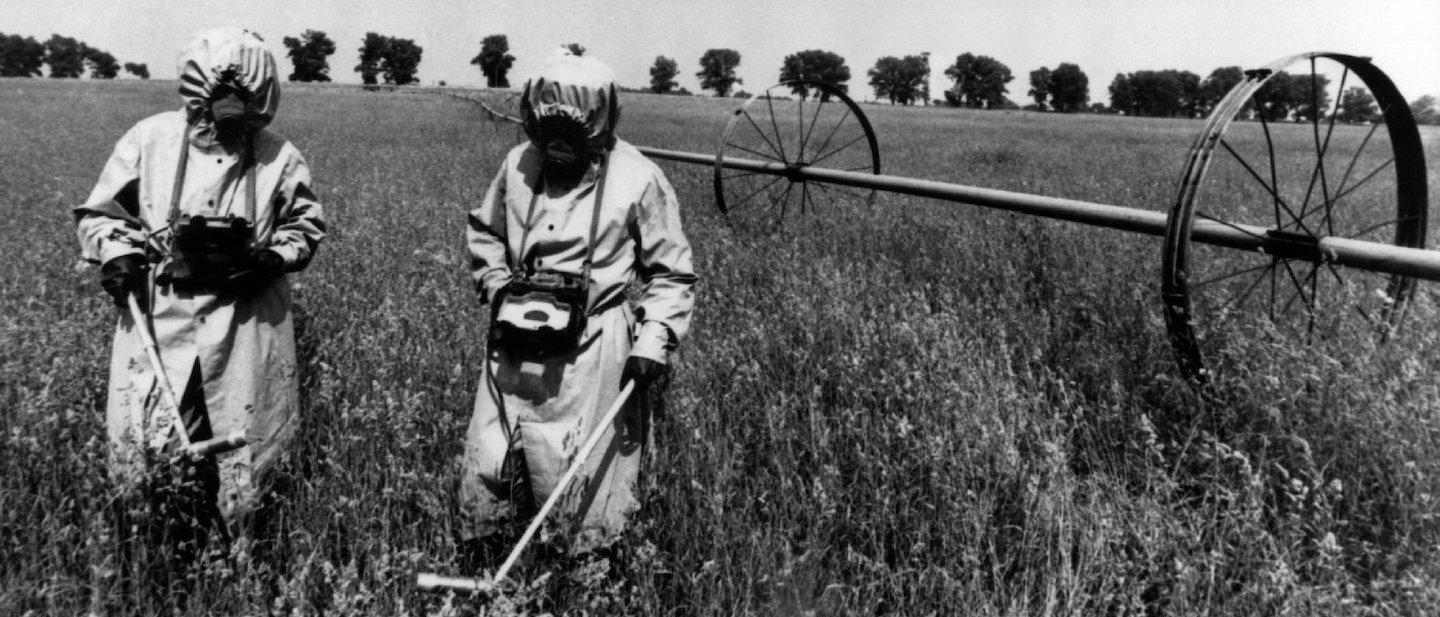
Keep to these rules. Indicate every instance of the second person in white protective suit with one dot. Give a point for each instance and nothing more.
(573, 218)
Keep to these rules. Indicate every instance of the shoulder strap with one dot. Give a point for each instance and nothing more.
(179, 185)
(248, 167)
(595, 214)
(594, 218)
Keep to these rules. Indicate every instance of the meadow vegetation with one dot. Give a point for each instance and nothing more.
(906, 407)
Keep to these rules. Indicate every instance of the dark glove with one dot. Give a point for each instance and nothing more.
(261, 267)
(122, 276)
(267, 263)
(643, 371)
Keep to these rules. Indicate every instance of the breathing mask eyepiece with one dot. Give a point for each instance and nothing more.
(227, 110)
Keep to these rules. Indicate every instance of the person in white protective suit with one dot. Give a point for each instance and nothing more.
(200, 213)
(574, 216)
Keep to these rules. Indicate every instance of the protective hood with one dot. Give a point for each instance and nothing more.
(235, 58)
(579, 87)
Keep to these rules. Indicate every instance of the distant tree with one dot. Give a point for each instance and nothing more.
(1166, 93)
(1191, 100)
(66, 56)
(102, 64)
(494, 60)
(924, 66)
(138, 69)
(1357, 105)
(826, 67)
(1099, 108)
(1217, 85)
(1040, 87)
(662, 75)
(717, 71)
(899, 80)
(309, 55)
(1275, 100)
(1069, 88)
(372, 49)
(1425, 111)
(20, 57)
(401, 61)
(1122, 95)
(979, 80)
(576, 49)
(1311, 96)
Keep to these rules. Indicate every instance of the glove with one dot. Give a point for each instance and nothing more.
(261, 267)
(122, 276)
(267, 263)
(643, 371)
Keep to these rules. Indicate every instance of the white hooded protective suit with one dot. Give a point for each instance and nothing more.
(548, 407)
(241, 344)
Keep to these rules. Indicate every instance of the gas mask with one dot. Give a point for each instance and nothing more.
(227, 112)
(565, 143)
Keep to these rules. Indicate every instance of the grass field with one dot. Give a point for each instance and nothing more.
(909, 407)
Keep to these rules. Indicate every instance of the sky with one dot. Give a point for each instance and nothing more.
(1103, 37)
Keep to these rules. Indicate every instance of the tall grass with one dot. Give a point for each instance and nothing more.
(908, 407)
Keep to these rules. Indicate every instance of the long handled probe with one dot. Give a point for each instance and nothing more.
(196, 450)
(434, 581)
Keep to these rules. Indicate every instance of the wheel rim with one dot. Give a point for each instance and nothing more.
(827, 131)
(1302, 181)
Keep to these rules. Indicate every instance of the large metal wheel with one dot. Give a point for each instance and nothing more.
(1288, 184)
(778, 132)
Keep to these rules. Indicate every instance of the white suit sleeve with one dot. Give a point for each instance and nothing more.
(667, 278)
(108, 222)
(486, 238)
(299, 218)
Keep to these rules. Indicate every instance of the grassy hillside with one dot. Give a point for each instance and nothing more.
(909, 407)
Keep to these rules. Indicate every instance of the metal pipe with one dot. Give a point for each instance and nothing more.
(1358, 254)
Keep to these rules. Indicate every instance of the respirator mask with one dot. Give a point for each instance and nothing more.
(565, 143)
(227, 111)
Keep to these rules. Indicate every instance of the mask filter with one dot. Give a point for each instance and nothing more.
(227, 110)
(565, 142)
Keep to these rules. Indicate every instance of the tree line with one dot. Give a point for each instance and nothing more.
(977, 81)
(67, 58)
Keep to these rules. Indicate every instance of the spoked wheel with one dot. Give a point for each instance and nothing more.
(1288, 184)
(777, 133)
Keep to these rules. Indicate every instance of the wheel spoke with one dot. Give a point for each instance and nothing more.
(1274, 177)
(769, 102)
(1199, 214)
(1280, 202)
(1345, 178)
(1367, 178)
(1299, 287)
(838, 150)
(1334, 113)
(761, 133)
(1317, 172)
(1238, 300)
(784, 204)
(833, 130)
(754, 152)
(755, 192)
(813, 119)
(1230, 275)
(1357, 235)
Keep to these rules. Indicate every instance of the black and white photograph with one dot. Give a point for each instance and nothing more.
(927, 308)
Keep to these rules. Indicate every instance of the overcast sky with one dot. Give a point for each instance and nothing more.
(1103, 37)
